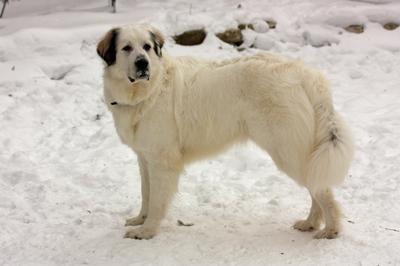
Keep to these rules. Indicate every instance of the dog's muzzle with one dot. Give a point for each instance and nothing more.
(142, 69)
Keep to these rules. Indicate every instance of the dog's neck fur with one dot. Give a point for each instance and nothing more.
(138, 106)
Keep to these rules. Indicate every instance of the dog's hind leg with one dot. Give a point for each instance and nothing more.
(144, 174)
(163, 181)
(313, 220)
(331, 212)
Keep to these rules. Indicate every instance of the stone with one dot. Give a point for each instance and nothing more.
(192, 37)
(391, 26)
(244, 26)
(355, 28)
(271, 24)
(231, 36)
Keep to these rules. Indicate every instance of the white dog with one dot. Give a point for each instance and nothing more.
(172, 111)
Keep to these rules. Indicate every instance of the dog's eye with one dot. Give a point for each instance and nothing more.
(127, 48)
(146, 47)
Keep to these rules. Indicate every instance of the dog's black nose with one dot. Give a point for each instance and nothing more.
(142, 63)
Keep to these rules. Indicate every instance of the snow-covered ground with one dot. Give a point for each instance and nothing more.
(67, 184)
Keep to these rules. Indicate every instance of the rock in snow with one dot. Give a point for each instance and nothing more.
(192, 37)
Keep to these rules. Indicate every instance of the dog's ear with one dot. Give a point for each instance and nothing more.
(158, 41)
(107, 47)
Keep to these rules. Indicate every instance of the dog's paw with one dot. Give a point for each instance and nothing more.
(304, 226)
(138, 220)
(328, 233)
(140, 233)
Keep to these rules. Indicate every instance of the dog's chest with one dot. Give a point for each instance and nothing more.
(124, 121)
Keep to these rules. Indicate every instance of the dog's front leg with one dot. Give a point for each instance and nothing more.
(144, 174)
(163, 181)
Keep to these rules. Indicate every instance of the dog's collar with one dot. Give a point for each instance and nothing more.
(120, 104)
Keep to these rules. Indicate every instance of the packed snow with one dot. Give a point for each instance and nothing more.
(67, 184)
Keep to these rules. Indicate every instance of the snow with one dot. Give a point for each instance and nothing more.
(67, 183)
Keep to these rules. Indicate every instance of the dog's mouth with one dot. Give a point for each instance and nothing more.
(140, 75)
(143, 74)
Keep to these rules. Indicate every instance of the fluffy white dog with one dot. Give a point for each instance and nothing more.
(172, 111)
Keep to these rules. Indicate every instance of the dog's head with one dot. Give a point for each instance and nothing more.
(134, 51)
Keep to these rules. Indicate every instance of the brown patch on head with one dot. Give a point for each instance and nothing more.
(158, 40)
(106, 48)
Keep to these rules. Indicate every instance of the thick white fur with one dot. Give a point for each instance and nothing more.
(191, 109)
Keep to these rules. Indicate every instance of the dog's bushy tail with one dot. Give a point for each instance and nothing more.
(333, 145)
